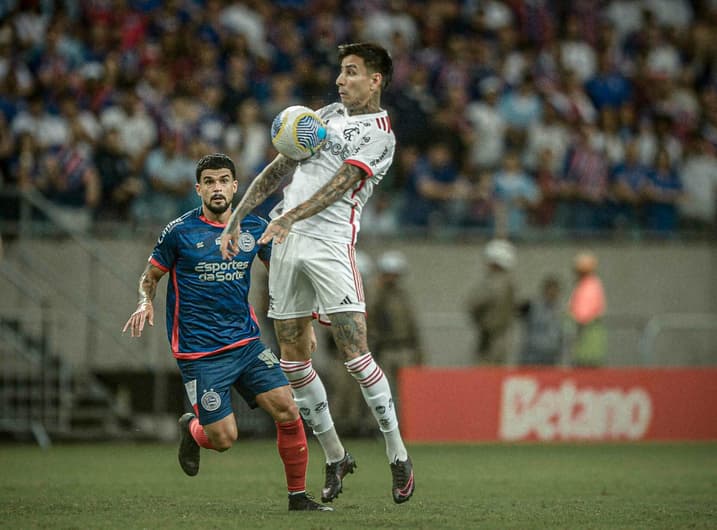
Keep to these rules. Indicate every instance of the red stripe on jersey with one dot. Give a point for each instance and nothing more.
(175, 320)
(200, 354)
(158, 265)
(361, 165)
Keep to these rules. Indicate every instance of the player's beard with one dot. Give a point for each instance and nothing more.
(217, 209)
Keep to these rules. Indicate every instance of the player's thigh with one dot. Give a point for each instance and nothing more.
(222, 433)
(335, 277)
(260, 372)
(279, 403)
(291, 294)
(296, 338)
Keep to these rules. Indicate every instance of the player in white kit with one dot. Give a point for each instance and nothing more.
(313, 262)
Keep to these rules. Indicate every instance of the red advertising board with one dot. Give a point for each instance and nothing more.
(501, 404)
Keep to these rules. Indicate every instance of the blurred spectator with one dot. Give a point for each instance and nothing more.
(47, 129)
(571, 100)
(170, 182)
(120, 184)
(607, 138)
(433, 188)
(543, 319)
(628, 182)
(481, 205)
(394, 335)
(585, 185)
(662, 194)
(586, 309)
(608, 87)
(247, 139)
(137, 128)
(491, 303)
(548, 133)
(489, 127)
(515, 196)
(699, 179)
(576, 54)
(70, 181)
(520, 107)
(547, 181)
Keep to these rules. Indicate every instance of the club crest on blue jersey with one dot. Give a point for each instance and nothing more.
(246, 242)
(211, 401)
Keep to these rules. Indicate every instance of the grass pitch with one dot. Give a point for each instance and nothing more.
(458, 486)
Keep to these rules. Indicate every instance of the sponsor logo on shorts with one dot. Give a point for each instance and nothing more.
(211, 401)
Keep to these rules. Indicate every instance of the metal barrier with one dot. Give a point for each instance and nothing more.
(682, 322)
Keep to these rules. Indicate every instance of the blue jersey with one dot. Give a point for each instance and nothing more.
(208, 308)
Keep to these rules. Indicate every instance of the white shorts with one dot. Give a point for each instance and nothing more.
(309, 275)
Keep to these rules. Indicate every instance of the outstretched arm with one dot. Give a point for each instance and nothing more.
(345, 178)
(145, 310)
(260, 188)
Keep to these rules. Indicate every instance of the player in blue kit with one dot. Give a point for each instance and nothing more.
(213, 332)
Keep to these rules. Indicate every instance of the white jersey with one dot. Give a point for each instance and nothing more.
(366, 141)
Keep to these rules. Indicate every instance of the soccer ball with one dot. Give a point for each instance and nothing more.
(297, 132)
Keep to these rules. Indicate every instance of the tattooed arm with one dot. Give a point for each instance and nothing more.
(261, 187)
(145, 310)
(346, 177)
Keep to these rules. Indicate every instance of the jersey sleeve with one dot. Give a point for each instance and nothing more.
(373, 152)
(164, 253)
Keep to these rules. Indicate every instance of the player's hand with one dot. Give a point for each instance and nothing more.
(135, 324)
(229, 241)
(277, 230)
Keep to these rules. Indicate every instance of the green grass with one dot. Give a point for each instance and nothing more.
(458, 486)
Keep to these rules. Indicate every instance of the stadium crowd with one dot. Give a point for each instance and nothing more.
(519, 116)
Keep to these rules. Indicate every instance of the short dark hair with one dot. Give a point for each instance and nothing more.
(376, 58)
(216, 161)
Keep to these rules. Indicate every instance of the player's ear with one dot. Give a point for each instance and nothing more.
(196, 188)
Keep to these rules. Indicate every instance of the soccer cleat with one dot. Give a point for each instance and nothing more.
(403, 484)
(305, 502)
(335, 474)
(188, 448)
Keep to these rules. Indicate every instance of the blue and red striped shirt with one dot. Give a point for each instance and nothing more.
(208, 310)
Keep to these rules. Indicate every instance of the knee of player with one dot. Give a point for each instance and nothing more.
(223, 440)
(285, 410)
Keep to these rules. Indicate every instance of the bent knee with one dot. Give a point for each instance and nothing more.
(286, 412)
(223, 440)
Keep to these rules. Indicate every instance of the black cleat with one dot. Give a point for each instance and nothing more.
(403, 484)
(188, 448)
(335, 474)
(305, 502)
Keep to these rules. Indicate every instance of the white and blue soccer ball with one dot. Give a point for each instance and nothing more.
(297, 132)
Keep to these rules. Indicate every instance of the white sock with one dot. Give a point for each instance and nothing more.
(310, 397)
(377, 393)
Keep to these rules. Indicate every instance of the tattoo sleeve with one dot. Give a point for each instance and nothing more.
(148, 283)
(261, 187)
(346, 177)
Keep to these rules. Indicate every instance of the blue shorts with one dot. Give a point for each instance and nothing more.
(251, 369)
